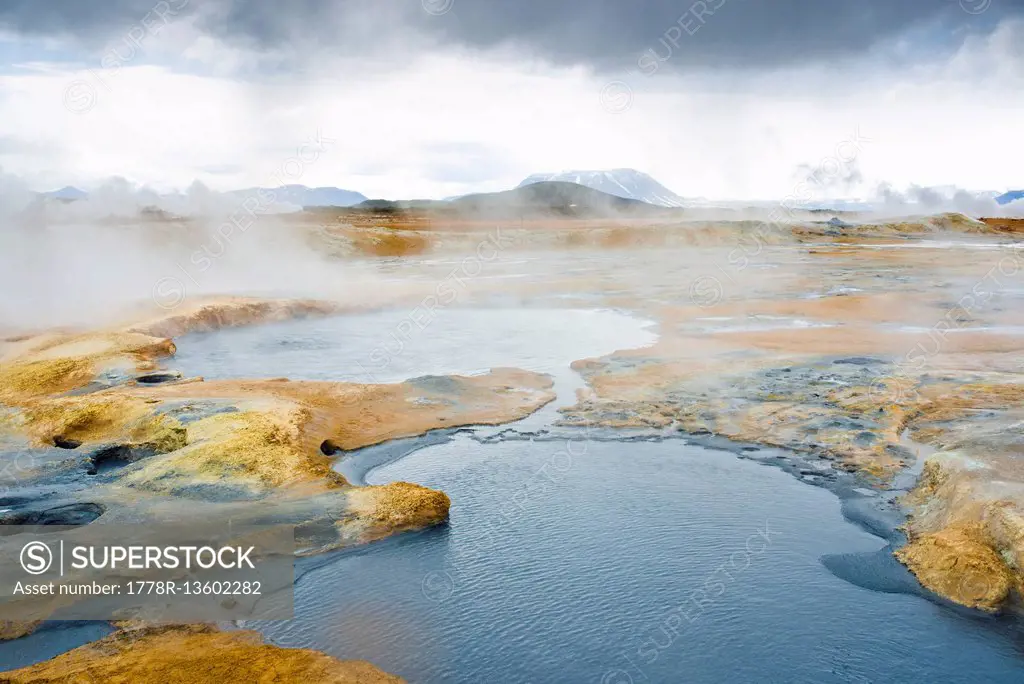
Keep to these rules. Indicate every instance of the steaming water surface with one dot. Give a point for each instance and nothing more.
(391, 346)
(597, 561)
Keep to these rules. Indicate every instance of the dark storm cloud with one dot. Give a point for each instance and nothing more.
(83, 18)
(683, 33)
(612, 34)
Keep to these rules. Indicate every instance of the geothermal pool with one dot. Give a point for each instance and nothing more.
(389, 346)
(633, 561)
(395, 345)
(608, 557)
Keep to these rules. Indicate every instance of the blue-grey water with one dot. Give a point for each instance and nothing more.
(568, 559)
(622, 562)
(49, 641)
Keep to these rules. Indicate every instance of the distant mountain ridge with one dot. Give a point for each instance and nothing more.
(544, 199)
(553, 198)
(298, 195)
(626, 183)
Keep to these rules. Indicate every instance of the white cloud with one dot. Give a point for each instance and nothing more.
(399, 130)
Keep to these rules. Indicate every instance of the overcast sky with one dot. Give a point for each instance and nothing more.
(736, 99)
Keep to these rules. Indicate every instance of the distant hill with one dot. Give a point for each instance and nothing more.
(67, 193)
(536, 200)
(553, 198)
(1011, 196)
(302, 196)
(627, 183)
(399, 205)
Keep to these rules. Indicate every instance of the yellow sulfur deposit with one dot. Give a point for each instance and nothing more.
(194, 654)
(401, 505)
(959, 564)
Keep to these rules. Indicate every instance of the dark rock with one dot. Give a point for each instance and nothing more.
(70, 514)
(859, 361)
(158, 378)
(441, 384)
(329, 448)
(63, 443)
(110, 457)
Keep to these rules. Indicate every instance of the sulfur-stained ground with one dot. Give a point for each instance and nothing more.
(864, 346)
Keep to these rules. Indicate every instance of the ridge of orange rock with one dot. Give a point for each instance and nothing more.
(214, 313)
(195, 654)
(248, 449)
(269, 441)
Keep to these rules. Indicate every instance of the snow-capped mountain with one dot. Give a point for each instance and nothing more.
(628, 183)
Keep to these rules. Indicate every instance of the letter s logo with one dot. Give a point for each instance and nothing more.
(36, 558)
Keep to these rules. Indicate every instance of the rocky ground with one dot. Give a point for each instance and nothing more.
(918, 350)
(95, 430)
(875, 347)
